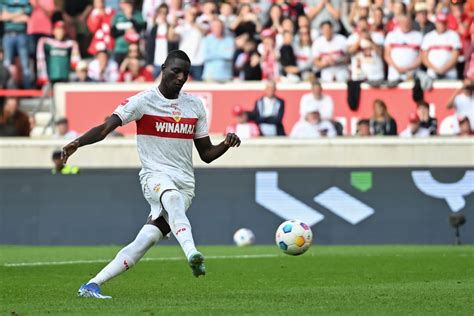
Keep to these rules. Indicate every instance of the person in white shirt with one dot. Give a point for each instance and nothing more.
(440, 50)
(191, 37)
(302, 49)
(330, 55)
(103, 68)
(463, 101)
(366, 49)
(317, 100)
(402, 51)
(414, 129)
(311, 126)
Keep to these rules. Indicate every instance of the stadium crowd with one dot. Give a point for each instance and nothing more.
(381, 42)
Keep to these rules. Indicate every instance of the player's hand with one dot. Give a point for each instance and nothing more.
(232, 140)
(68, 150)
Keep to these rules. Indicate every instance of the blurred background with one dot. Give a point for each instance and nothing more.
(356, 117)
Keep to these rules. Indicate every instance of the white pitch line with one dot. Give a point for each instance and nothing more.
(60, 263)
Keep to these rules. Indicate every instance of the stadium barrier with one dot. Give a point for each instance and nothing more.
(88, 104)
(351, 191)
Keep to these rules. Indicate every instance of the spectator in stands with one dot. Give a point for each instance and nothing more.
(321, 11)
(75, 15)
(377, 24)
(60, 167)
(126, 26)
(422, 23)
(268, 112)
(39, 23)
(242, 126)
(463, 101)
(100, 25)
(158, 39)
(440, 50)
(209, 13)
(15, 15)
(275, 17)
(330, 54)
(365, 48)
(269, 55)
(247, 63)
(134, 53)
(469, 56)
(227, 16)
(218, 52)
(302, 49)
(426, 121)
(149, 8)
(381, 122)
(134, 72)
(465, 127)
(13, 122)
(317, 100)
(102, 68)
(402, 51)
(398, 11)
(246, 22)
(63, 131)
(56, 56)
(191, 37)
(363, 128)
(414, 128)
(6, 81)
(290, 70)
(312, 126)
(81, 72)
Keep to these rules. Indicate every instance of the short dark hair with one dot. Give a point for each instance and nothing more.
(423, 103)
(363, 122)
(56, 154)
(324, 23)
(177, 54)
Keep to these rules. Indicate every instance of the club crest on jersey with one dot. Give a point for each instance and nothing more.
(176, 115)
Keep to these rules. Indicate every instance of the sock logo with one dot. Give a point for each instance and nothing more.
(181, 230)
(125, 263)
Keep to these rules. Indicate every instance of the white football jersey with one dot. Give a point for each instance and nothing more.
(165, 132)
(440, 47)
(336, 50)
(405, 48)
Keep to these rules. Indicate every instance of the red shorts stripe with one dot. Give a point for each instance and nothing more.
(167, 126)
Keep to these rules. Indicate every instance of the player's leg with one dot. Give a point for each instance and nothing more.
(175, 204)
(151, 232)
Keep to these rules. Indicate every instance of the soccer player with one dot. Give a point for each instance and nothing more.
(168, 120)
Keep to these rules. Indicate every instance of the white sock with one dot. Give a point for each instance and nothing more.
(130, 255)
(174, 204)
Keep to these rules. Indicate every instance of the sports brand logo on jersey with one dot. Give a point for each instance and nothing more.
(167, 126)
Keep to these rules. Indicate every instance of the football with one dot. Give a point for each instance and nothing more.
(293, 237)
(244, 237)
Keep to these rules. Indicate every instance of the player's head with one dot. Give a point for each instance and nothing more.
(56, 158)
(175, 70)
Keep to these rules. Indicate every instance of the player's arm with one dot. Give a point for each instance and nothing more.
(94, 135)
(209, 152)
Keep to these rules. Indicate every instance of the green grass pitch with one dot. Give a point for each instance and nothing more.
(341, 280)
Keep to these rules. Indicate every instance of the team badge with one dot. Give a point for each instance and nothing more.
(176, 115)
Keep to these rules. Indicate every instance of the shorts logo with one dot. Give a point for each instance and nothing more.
(157, 188)
(180, 230)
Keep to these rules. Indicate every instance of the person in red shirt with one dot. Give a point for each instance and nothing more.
(99, 23)
(134, 72)
(242, 127)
